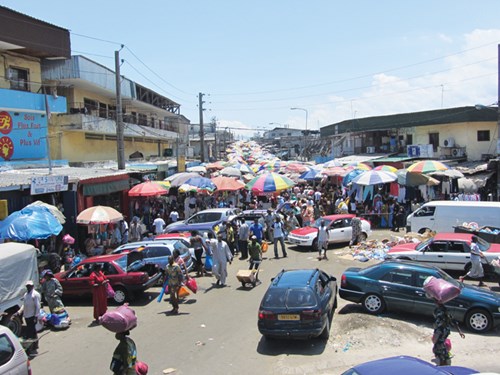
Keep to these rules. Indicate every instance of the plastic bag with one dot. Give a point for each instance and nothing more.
(265, 246)
(110, 291)
(191, 284)
(440, 290)
(184, 291)
(121, 319)
(209, 263)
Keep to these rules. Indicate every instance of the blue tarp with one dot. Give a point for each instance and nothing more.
(30, 223)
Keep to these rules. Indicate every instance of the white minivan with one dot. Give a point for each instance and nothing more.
(13, 359)
(443, 216)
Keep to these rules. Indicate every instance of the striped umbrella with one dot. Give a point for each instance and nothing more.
(269, 182)
(311, 174)
(374, 178)
(386, 168)
(362, 166)
(427, 166)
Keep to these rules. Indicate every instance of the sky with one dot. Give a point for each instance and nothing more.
(255, 60)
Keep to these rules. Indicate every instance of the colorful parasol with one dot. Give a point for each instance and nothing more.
(227, 183)
(269, 182)
(311, 174)
(202, 183)
(362, 166)
(99, 215)
(297, 168)
(374, 178)
(147, 189)
(427, 166)
(386, 168)
(336, 171)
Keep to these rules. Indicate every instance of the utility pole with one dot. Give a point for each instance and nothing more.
(202, 133)
(119, 120)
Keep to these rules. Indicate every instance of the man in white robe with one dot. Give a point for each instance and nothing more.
(221, 255)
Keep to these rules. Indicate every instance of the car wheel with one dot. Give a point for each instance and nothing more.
(314, 245)
(121, 295)
(373, 303)
(478, 320)
(14, 323)
(362, 237)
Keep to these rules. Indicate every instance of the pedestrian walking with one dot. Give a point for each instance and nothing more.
(356, 231)
(442, 327)
(52, 291)
(222, 255)
(243, 234)
(135, 231)
(175, 278)
(124, 359)
(278, 237)
(269, 221)
(158, 224)
(30, 310)
(98, 282)
(198, 244)
(257, 230)
(255, 251)
(476, 271)
(323, 239)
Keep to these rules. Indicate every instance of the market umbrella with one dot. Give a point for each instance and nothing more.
(386, 168)
(99, 215)
(311, 174)
(452, 173)
(350, 176)
(201, 183)
(147, 189)
(243, 168)
(374, 178)
(227, 183)
(217, 165)
(30, 223)
(165, 184)
(53, 210)
(269, 182)
(466, 185)
(231, 172)
(359, 165)
(427, 166)
(297, 168)
(197, 169)
(332, 163)
(414, 179)
(177, 179)
(336, 171)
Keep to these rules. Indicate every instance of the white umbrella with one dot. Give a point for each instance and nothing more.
(466, 185)
(374, 178)
(198, 169)
(230, 172)
(177, 179)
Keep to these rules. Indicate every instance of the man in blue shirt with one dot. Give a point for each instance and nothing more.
(257, 230)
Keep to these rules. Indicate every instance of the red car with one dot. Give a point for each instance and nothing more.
(449, 251)
(127, 276)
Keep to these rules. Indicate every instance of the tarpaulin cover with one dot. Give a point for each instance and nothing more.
(30, 223)
(18, 264)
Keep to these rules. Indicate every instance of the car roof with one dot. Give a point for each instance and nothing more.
(453, 236)
(102, 258)
(216, 210)
(294, 278)
(409, 263)
(173, 236)
(339, 216)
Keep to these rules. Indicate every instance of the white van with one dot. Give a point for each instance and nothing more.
(13, 359)
(443, 216)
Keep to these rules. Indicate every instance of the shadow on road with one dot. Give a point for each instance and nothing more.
(274, 347)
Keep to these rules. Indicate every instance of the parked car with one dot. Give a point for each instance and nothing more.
(398, 286)
(157, 252)
(184, 237)
(450, 251)
(405, 365)
(298, 304)
(213, 219)
(128, 276)
(340, 231)
(13, 358)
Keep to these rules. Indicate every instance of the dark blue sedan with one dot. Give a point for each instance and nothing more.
(398, 286)
(405, 365)
(298, 304)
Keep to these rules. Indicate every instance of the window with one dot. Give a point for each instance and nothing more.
(90, 105)
(483, 135)
(425, 211)
(19, 79)
(7, 349)
(434, 140)
(437, 247)
(456, 247)
(398, 277)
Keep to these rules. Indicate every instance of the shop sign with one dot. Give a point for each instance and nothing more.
(48, 184)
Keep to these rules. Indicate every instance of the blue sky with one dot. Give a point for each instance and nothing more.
(255, 60)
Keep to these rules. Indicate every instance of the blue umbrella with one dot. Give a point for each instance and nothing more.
(350, 176)
(36, 222)
(312, 174)
(201, 183)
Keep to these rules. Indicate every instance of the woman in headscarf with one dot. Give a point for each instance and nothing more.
(98, 282)
(52, 291)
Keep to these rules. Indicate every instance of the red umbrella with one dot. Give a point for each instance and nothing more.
(147, 189)
(227, 183)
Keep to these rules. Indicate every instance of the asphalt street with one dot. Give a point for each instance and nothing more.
(216, 332)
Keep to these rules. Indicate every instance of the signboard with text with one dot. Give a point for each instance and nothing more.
(23, 135)
(48, 184)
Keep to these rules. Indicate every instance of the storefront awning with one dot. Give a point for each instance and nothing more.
(103, 188)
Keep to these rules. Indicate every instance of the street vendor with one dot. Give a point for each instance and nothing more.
(52, 291)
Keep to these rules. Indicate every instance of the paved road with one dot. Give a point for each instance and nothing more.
(216, 331)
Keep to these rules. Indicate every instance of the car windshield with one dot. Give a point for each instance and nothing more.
(443, 275)
(178, 245)
(317, 223)
(423, 245)
(122, 262)
(206, 217)
(288, 298)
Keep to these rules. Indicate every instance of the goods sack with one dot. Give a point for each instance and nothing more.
(184, 291)
(120, 319)
(110, 293)
(265, 246)
(208, 263)
(191, 284)
(440, 290)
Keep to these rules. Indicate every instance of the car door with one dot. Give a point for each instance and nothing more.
(339, 231)
(76, 282)
(325, 292)
(396, 287)
(434, 254)
(422, 304)
(457, 255)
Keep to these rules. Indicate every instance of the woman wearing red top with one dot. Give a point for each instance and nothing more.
(99, 296)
